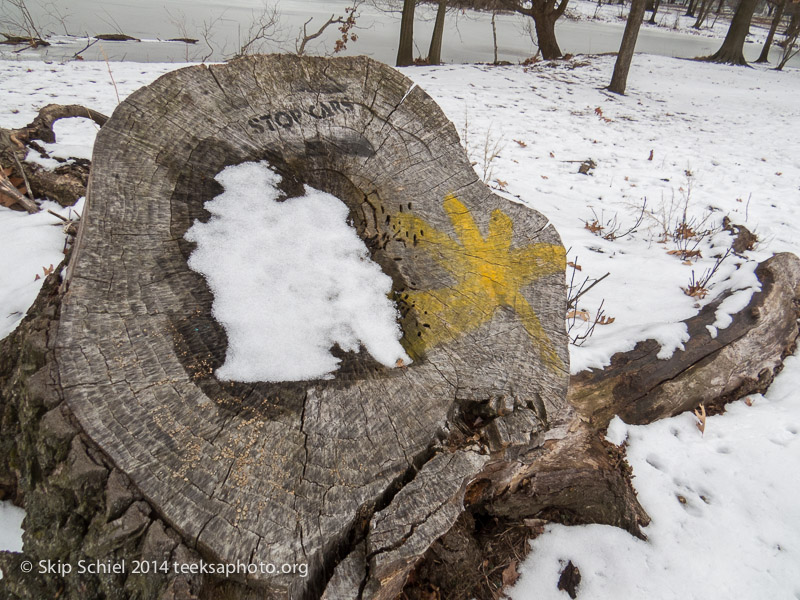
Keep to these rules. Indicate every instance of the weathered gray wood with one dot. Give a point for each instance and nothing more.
(291, 473)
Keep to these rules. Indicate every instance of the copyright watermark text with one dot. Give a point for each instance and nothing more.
(152, 567)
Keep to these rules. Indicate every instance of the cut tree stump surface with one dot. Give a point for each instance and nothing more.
(304, 472)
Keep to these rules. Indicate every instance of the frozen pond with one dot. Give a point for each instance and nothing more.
(468, 36)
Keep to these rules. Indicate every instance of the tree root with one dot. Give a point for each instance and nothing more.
(65, 184)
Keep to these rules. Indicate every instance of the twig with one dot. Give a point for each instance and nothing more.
(24, 177)
(574, 301)
(110, 74)
(8, 188)
(86, 47)
(55, 214)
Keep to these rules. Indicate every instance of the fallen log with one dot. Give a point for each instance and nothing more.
(715, 366)
(65, 184)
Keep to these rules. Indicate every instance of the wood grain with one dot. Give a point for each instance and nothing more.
(293, 473)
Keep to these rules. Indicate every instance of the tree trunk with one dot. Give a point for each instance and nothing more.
(623, 63)
(719, 6)
(652, 20)
(794, 24)
(494, 36)
(405, 50)
(702, 13)
(435, 51)
(546, 36)
(776, 20)
(739, 360)
(690, 8)
(544, 13)
(731, 50)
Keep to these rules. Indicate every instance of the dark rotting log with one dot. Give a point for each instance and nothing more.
(715, 365)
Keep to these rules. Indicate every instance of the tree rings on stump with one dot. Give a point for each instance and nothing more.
(368, 468)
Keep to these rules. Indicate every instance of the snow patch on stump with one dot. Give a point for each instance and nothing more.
(290, 279)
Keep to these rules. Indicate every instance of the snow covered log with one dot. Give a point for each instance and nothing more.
(716, 365)
(301, 473)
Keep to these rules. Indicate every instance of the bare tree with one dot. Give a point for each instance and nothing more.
(23, 28)
(494, 35)
(435, 50)
(620, 77)
(731, 51)
(776, 20)
(262, 29)
(544, 13)
(790, 45)
(702, 13)
(346, 23)
(405, 50)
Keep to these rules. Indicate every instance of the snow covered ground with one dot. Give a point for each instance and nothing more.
(671, 17)
(690, 144)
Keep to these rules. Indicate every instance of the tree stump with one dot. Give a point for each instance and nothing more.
(303, 472)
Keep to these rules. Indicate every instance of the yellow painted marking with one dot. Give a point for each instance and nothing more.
(489, 274)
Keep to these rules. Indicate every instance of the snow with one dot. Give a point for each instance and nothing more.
(10, 527)
(29, 245)
(724, 143)
(724, 510)
(669, 18)
(290, 279)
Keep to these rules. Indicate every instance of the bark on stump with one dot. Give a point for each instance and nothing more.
(301, 472)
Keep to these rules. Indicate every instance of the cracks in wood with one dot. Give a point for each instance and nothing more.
(328, 532)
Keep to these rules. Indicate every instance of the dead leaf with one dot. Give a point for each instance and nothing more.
(580, 314)
(49, 270)
(37, 278)
(552, 155)
(521, 143)
(749, 401)
(574, 266)
(696, 291)
(605, 320)
(545, 177)
(510, 574)
(598, 111)
(594, 226)
(701, 418)
(651, 155)
(686, 254)
(501, 183)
